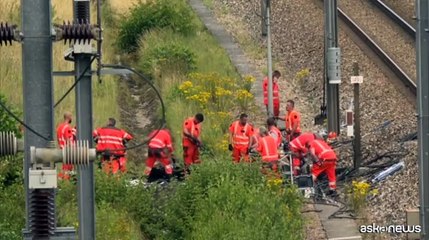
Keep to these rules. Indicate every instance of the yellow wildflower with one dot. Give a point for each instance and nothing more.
(244, 94)
(303, 73)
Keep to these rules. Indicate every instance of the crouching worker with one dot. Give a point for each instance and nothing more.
(267, 147)
(298, 148)
(160, 149)
(325, 160)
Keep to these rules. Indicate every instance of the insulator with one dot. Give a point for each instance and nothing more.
(77, 153)
(77, 32)
(42, 213)
(8, 144)
(7, 33)
(82, 10)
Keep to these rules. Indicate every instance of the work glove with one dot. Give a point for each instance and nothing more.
(230, 147)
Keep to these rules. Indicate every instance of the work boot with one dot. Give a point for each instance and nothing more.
(332, 193)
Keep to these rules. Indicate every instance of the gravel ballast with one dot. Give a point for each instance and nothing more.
(297, 33)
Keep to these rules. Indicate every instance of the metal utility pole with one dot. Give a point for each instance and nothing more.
(264, 18)
(270, 67)
(38, 102)
(332, 53)
(86, 188)
(356, 80)
(422, 51)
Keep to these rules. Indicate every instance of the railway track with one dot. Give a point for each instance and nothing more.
(393, 66)
(395, 17)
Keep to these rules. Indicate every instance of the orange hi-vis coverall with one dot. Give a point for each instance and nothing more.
(241, 136)
(291, 119)
(297, 147)
(157, 151)
(327, 161)
(276, 98)
(112, 139)
(191, 154)
(65, 134)
(267, 147)
(276, 134)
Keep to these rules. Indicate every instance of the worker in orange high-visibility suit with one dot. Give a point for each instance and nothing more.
(293, 121)
(325, 161)
(276, 96)
(267, 147)
(299, 149)
(240, 134)
(160, 149)
(191, 140)
(111, 144)
(274, 131)
(256, 137)
(66, 134)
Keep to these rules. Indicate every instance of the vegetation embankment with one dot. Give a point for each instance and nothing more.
(219, 200)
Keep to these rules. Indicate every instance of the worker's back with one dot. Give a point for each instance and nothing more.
(111, 138)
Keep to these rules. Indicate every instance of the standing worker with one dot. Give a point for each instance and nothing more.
(160, 149)
(111, 143)
(299, 149)
(274, 131)
(191, 140)
(240, 138)
(293, 121)
(325, 161)
(66, 134)
(276, 98)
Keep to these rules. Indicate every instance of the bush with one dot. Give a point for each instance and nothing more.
(165, 56)
(154, 14)
(8, 124)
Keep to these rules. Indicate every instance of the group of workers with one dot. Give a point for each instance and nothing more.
(243, 139)
(111, 145)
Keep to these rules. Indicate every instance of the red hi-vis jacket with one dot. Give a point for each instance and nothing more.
(298, 144)
(111, 138)
(276, 99)
(65, 133)
(268, 148)
(276, 134)
(193, 128)
(322, 150)
(162, 139)
(241, 134)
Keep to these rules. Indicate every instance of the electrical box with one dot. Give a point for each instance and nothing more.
(305, 185)
(334, 65)
(413, 219)
(42, 179)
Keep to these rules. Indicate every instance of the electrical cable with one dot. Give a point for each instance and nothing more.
(22, 122)
(163, 120)
(75, 83)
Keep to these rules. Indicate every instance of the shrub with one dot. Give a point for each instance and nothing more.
(167, 57)
(154, 14)
(8, 124)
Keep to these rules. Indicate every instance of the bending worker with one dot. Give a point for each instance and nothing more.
(240, 138)
(160, 149)
(191, 140)
(299, 149)
(66, 134)
(267, 147)
(111, 143)
(325, 161)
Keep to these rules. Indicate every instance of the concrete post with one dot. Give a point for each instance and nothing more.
(331, 41)
(270, 67)
(37, 81)
(422, 41)
(86, 189)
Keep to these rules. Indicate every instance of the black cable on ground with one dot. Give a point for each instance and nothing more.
(163, 120)
(22, 122)
(75, 83)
